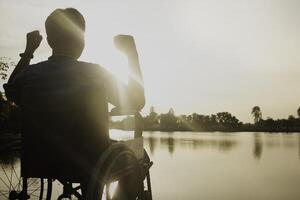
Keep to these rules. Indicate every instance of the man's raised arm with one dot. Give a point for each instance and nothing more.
(33, 41)
(130, 96)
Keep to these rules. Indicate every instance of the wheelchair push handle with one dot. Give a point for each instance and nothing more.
(138, 119)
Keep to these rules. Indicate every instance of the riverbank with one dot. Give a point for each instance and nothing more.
(212, 131)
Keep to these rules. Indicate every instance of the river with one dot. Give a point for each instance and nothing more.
(221, 166)
(225, 166)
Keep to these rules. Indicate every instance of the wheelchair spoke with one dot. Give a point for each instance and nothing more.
(11, 179)
(19, 184)
(5, 176)
(4, 183)
(34, 195)
(17, 176)
(3, 194)
(18, 180)
(32, 182)
(6, 196)
(34, 190)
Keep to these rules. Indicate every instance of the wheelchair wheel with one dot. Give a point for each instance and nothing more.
(11, 182)
(111, 177)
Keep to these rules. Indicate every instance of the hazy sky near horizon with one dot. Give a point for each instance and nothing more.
(201, 56)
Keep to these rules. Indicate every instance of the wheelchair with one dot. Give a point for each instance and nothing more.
(121, 163)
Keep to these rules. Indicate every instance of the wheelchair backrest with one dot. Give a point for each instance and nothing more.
(63, 131)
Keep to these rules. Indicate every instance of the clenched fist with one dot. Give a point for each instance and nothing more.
(33, 41)
(125, 43)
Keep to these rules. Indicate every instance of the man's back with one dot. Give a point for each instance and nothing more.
(65, 109)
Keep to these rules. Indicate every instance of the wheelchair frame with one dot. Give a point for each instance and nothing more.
(101, 185)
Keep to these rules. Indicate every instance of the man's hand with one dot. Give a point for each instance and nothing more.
(33, 42)
(125, 43)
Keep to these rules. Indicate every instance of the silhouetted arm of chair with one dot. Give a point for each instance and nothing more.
(138, 119)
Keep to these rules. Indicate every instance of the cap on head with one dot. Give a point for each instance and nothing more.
(65, 31)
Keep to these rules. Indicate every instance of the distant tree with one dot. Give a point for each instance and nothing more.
(152, 109)
(298, 112)
(256, 112)
(151, 121)
(198, 121)
(213, 124)
(270, 124)
(169, 121)
(213, 119)
(291, 117)
(171, 111)
(184, 123)
(3, 106)
(292, 122)
(9, 115)
(227, 120)
(5, 64)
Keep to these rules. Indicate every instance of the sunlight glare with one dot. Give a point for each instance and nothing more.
(112, 190)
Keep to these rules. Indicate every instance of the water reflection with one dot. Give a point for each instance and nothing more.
(152, 142)
(258, 165)
(222, 142)
(299, 145)
(258, 146)
(171, 142)
(177, 141)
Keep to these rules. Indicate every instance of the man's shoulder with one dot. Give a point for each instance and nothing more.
(88, 69)
(92, 67)
(89, 64)
(35, 66)
(73, 64)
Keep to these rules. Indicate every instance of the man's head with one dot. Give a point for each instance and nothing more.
(65, 32)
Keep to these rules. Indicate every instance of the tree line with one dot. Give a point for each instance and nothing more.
(221, 121)
(9, 116)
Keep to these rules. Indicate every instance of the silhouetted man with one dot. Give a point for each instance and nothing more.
(65, 101)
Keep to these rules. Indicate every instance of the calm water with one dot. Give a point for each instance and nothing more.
(225, 166)
(221, 166)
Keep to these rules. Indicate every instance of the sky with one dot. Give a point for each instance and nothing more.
(202, 56)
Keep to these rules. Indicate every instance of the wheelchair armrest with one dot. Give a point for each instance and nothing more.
(138, 119)
(120, 112)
